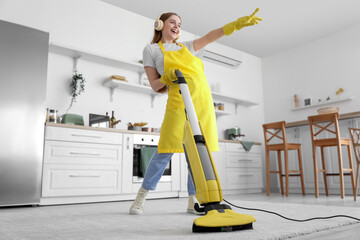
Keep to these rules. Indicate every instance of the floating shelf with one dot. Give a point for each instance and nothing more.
(221, 113)
(95, 57)
(234, 100)
(113, 84)
(324, 103)
(100, 58)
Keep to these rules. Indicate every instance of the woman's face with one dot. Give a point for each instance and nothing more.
(171, 29)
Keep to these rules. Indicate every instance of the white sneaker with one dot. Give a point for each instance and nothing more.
(191, 202)
(137, 207)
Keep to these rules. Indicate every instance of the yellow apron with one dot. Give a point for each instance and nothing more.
(172, 128)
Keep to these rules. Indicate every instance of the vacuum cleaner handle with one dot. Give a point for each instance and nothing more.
(180, 76)
(189, 106)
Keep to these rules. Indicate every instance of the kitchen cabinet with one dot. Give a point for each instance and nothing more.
(243, 168)
(301, 134)
(85, 164)
(80, 163)
(239, 171)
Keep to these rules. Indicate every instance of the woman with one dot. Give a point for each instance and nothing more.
(161, 58)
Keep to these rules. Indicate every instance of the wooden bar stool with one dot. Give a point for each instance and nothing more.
(276, 131)
(330, 137)
(355, 137)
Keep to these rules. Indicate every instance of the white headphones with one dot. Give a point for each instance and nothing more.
(159, 24)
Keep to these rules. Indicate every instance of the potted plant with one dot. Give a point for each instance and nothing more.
(77, 84)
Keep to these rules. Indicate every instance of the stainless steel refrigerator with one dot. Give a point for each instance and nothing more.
(23, 72)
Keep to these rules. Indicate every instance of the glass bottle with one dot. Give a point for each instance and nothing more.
(112, 119)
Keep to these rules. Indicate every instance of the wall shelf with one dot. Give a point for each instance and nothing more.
(100, 58)
(113, 84)
(235, 100)
(221, 113)
(324, 103)
(95, 57)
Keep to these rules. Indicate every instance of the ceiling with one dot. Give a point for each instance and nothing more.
(286, 23)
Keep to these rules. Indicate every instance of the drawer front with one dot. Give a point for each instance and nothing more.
(243, 160)
(82, 153)
(80, 135)
(237, 147)
(146, 139)
(65, 180)
(244, 178)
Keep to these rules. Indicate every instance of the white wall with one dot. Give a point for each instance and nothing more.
(316, 70)
(99, 27)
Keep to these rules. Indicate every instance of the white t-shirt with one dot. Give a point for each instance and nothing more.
(154, 57)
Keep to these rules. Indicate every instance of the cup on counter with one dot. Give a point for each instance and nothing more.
(52, 115)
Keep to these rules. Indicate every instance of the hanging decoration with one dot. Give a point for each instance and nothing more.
(77, 84)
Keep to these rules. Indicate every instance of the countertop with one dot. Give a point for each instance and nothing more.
(122, 131)
(306, 122)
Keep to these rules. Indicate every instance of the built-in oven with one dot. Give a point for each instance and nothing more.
(144, 146)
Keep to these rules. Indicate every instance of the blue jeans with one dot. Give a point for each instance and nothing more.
(156, 169)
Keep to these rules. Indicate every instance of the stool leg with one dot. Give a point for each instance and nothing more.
(301, 171)
(280, 172)
(352, 171)
(341, 171)
(357, 178)
(286, 172)
(267, 153)
(315, 172)
(324, 171)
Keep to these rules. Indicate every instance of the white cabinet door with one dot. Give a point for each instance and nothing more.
(81, 153)
(127, 164)
(60, 180)
(243, 168)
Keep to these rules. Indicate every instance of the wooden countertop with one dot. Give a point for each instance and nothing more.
(121, 131)
(306, 122)
(99, 128)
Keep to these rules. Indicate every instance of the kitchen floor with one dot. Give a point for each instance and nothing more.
(349, 232)
(111, 220)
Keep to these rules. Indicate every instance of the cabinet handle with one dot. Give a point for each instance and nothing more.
(88, 154)
(128, 143)
(83, 135)
(245, 175)
(80, 175)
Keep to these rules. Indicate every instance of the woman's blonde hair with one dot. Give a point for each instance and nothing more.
(158, 34)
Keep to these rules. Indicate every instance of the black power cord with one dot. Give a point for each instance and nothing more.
(292, 219)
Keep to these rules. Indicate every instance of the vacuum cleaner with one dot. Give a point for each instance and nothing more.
(218, 217)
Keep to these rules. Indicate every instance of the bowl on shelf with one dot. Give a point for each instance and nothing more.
(327, 110)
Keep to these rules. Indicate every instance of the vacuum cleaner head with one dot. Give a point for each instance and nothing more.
(220, 218)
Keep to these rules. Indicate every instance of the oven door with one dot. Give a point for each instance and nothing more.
(144, 146)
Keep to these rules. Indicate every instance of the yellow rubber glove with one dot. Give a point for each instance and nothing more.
(168, 77)
(241, 22)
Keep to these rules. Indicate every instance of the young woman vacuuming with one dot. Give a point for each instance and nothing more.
(161, 58)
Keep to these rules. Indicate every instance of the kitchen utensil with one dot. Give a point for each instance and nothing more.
(234, 133)
(70, 118)
(148, 129)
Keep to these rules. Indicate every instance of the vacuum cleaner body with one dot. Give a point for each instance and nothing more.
(218, 217)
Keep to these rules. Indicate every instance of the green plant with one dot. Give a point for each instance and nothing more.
(77, 86)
